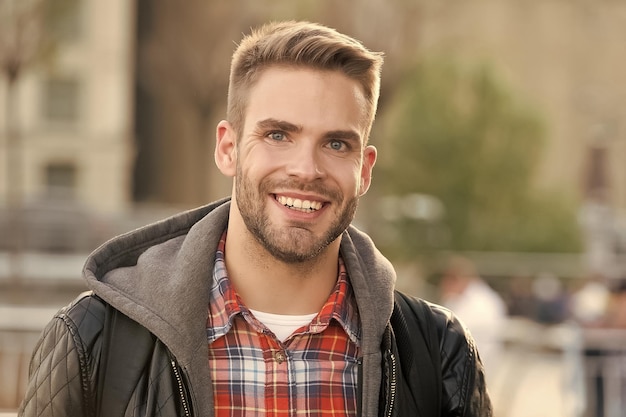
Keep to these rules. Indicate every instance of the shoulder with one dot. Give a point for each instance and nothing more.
(427, 313)
(462, 374)
(454, 339)
(81, 322)
(446, 336)
(84, 315)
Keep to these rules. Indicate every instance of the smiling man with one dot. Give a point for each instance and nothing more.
(268, 303)
(300, 166)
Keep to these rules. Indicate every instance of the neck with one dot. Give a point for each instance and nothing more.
(268, 284)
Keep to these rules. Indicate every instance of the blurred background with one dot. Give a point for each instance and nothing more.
(500, 189)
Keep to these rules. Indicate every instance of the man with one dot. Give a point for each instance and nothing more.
(269, 303)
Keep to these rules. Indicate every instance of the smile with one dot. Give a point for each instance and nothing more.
(305, 206)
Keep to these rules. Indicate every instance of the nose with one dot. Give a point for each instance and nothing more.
(305, 162)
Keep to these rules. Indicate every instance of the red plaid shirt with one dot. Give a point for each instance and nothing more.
(313, 373)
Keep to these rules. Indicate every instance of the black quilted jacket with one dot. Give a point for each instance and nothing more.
(66, 376)
(158, 275)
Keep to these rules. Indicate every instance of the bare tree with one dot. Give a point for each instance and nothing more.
(22, 42)
(20, 34)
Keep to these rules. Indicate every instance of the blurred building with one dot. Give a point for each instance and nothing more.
(94, 125)
(66, 156)
(101, 135)
(73, 111)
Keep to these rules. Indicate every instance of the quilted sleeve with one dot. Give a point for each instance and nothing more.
(61, 373)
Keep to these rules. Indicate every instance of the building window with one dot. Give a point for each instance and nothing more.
(596, 176)
(61, 99)
(61, 178)
(63, 19)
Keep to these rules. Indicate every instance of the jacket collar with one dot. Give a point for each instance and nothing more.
(157, 275)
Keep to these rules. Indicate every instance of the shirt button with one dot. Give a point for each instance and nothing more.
(280, 356)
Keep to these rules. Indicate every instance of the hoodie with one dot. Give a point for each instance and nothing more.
(159, 276)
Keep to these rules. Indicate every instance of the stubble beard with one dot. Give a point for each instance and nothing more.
(294, 243)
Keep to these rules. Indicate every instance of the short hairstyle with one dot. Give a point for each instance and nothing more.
(301, 44)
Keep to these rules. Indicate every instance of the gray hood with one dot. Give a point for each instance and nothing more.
(159, 276)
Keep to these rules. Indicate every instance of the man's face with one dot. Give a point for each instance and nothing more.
(301, 164)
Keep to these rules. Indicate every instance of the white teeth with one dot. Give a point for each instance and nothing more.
(300, 205)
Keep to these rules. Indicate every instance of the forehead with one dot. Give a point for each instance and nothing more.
(306, 96)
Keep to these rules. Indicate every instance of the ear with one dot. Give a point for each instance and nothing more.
(226, 148)
(369, 159)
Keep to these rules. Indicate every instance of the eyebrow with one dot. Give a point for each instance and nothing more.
(279, 125)
(347, 135)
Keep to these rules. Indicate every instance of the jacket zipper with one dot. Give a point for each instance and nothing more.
(392, 385)
(181, 389)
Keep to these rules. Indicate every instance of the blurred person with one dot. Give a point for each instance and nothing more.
(268, 302)
(616, 320)
(605, 353)
(551, 299)
(616, 305)
(519, 298)
(589, 308)
(589, 303)
(477, 305)
(604, 304)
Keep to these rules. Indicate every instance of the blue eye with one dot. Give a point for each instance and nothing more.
(336, 145)
(277, 136)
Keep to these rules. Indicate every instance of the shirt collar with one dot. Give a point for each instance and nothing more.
(225, 303)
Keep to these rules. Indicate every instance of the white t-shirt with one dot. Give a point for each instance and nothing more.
(283, 325)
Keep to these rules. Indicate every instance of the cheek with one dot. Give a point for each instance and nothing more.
(350, 178)
(258, 163)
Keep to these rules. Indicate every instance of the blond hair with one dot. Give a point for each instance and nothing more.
(301, 44)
